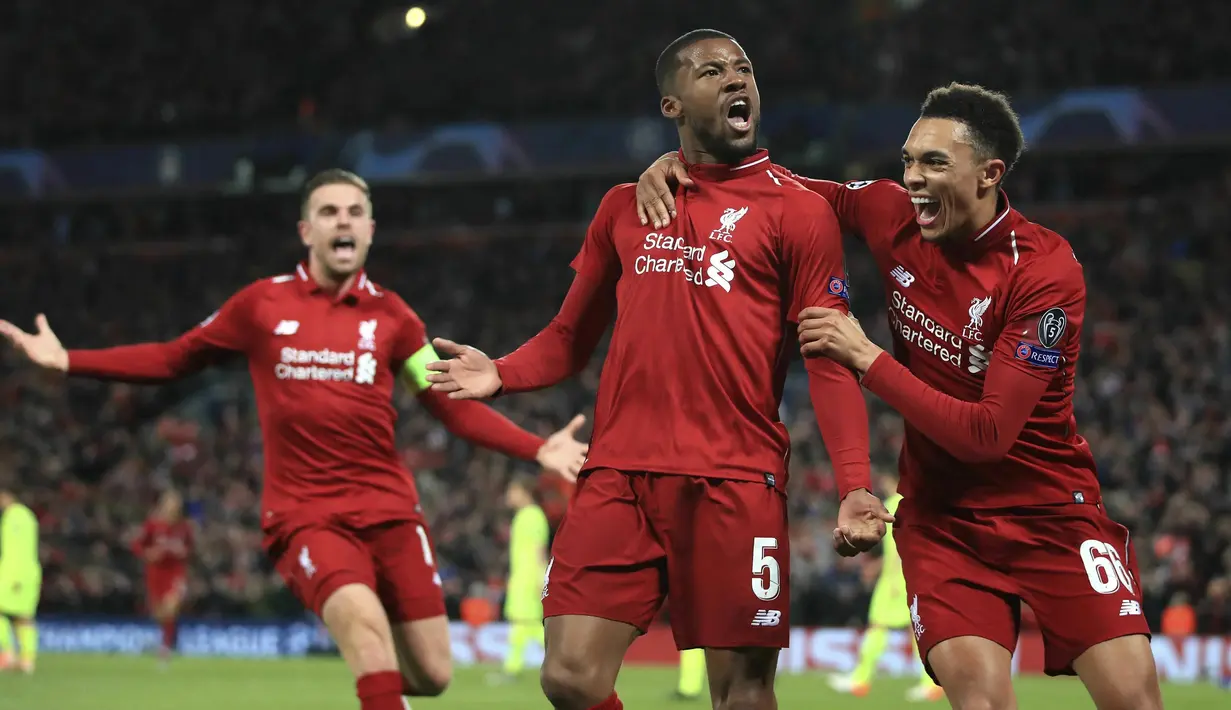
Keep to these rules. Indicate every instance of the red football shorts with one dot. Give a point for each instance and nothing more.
(968, 571)
(395, 559)
(163, 585)
(718, 548)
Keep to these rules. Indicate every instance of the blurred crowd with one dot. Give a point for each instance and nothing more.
(152, 69)
(1153, 396)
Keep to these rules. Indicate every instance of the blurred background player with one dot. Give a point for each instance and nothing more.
(21, 579)
(164, 545)
(889, 609)
(523, 602)
(692, 674)
(341, 516)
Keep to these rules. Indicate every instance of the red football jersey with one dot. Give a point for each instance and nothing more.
(323, 368)
(993, 326)
(703, 329)
(171, 544)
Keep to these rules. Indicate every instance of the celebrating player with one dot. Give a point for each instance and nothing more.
(339, 510)
(523, 601)
(1002, 502)
(888, 610)
(21, 582)
(683, 491)
(165, 542)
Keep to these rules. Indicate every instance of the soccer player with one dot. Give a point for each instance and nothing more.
(683, 491)
(165, 542)
(1001, 497)
(340, 512)
(523, 601)
(888, 610)
(21, 581)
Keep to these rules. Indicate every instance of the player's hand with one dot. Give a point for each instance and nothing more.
(563, 454)
(656, 190)
(861, 523)
(836, 335)
(41, 347)
(470, 374)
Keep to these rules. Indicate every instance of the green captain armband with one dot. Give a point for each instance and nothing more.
(415, 372)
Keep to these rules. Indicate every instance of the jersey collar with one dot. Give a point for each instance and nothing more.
(992, 234)
(723, 171)
(360, 288)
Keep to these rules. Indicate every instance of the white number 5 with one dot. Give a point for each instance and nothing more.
(766, 588)
(1103, 567)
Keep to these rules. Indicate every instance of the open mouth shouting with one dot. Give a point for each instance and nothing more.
(739, 115)
(343, 246)
(927, 209)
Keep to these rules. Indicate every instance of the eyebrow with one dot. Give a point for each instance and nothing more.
(930, 155)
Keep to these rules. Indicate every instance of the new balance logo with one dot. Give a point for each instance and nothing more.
(720, 271)
(1130, 607)
(287, 327)
(767, 617)
(902, 276)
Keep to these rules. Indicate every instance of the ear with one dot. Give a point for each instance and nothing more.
(304, 228)
(993, 172)
(671, 107)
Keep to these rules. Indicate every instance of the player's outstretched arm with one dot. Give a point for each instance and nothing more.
(558, 352)
(41, 347)
(561, 453)
(221, 334)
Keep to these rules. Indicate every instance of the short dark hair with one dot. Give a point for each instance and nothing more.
(994, 129)
(332, 176)
(669, 61)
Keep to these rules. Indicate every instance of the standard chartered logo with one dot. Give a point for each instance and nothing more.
(326, 366)
(365, 370)
(721, 271)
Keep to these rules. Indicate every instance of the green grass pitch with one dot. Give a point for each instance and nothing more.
(66, 682)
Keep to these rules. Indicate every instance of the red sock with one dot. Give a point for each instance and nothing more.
(168, 634)
(611, 703)
(380, 691)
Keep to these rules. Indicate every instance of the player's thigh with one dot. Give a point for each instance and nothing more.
(606, 560)
(582, 657)
(976, 673)
(605, 582)
(1120, 674)
(20, 601)
(24, 603)
(170, 599)
(728, 562)
(317, 560)
(951, 592)
(357, 622)
(1080, 577)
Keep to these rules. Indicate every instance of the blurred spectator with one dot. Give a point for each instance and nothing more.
(169, 68)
